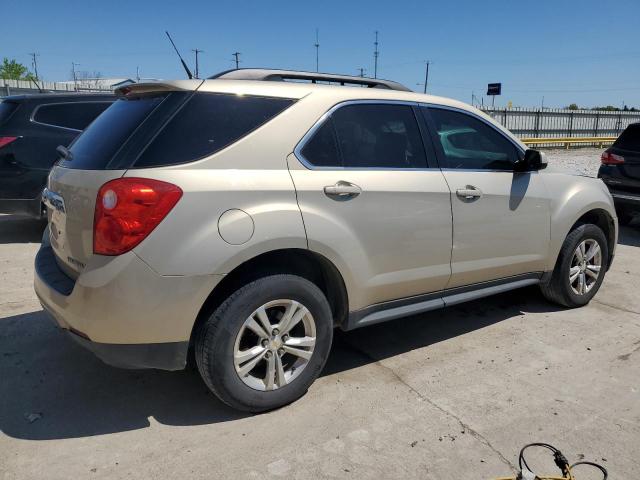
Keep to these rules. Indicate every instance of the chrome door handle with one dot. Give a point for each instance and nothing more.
(342, 191)
(469, 192)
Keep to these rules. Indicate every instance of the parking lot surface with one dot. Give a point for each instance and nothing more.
(446, 395)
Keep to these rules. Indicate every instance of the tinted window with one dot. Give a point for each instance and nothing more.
(322, 149)
(75, 115)
(207, 123)
(629, 139)
(101, 140)
(6, 109)
(469, 143)
(369, 136)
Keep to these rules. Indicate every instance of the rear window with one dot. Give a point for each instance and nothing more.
(206, 124)
(94, 149)
(629, 139)
(73, 115)
(6, 109)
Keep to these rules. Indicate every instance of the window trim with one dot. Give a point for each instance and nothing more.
(428, 149)
(38, 107)
(438, 147)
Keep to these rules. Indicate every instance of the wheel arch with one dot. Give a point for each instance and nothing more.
(598, 215)
(305, 263)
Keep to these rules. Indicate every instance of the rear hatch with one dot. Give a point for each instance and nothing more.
(102, 153)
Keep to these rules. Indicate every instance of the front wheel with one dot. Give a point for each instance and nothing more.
(265, 345)
(580, 267)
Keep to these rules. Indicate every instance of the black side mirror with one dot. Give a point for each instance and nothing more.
(533, 160)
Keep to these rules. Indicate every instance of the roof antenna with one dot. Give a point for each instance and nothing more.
(184, 65)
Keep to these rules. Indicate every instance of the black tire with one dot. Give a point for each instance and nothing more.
(624, 217)
(558, 288)
(215, 340)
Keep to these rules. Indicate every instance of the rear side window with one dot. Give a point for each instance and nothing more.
(103, 138)
(207, 123)
(629, 139)
(368, 136)
(6, 110)
(73, 115)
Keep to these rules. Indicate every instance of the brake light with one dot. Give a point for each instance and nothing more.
(608, 158)
(4, 141)
(127, 211)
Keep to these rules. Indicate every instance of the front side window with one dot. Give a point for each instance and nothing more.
(73, 115)
(368, 136)
(469, 143)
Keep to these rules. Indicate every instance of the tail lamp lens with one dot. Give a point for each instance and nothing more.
(127, 211)
(608, 158)
(4, 141)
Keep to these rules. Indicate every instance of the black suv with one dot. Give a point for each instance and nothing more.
(620, 171)
(31, 127)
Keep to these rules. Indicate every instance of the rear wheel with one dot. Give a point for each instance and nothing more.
(580, 267)
(266, 344)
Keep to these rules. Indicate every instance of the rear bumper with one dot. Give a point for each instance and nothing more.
(163, 356)
(29, 206)
(626, 200)
(121, 310)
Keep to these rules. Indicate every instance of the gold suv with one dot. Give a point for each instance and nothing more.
(247, 215)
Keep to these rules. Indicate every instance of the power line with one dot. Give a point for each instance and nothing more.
(237, 55)
(317, 45)
(197, 51)
(376, 53)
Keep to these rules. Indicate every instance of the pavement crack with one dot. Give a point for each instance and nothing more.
(622, 309)
(474, 433)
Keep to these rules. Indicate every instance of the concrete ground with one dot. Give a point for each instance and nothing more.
(447, 395)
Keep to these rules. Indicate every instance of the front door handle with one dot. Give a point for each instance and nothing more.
(469, 192)
(342, 191)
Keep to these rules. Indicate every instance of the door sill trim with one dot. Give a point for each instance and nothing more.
(382, 312)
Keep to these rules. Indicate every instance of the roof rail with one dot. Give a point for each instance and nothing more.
(270, 75)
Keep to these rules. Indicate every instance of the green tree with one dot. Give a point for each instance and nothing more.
(573, 106)
(12, 70)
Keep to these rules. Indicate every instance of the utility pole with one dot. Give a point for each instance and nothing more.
(317, 45)
(34, 62)
(426, 77)
(237, 55)
(472, 97)
(75, 77)
(375, 57)
(361, 70)
(138, 74)
(197, 52)
(542, 104)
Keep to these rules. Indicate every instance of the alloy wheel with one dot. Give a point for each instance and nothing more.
(586, 264)
(274, 344)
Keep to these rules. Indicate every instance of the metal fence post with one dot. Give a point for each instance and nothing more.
(537, 126)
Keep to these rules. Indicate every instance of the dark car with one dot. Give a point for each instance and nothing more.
(31, 127)
(620, 171)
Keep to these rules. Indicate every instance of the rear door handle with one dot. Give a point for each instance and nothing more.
(342, 191)
(469, 192)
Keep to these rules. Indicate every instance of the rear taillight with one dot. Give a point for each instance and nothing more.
(127, 211)
(608, 158)
(4, 141)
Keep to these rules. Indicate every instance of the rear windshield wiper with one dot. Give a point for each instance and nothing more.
(64, 152)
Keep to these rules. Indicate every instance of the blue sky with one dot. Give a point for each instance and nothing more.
(585, 52)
